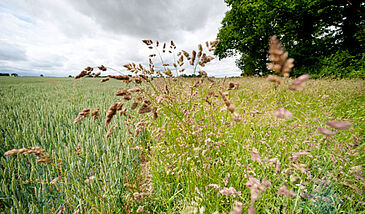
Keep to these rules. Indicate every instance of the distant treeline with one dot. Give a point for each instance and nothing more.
(7, 74)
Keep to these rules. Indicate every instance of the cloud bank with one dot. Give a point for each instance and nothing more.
(60, 38)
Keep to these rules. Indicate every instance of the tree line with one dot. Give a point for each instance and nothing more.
(321, 35)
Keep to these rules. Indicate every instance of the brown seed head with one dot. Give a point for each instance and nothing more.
(95, 114)
(274, 78)
(339, 124)
(104, 79)
(84, 113)
(299, 83)
(111, 112)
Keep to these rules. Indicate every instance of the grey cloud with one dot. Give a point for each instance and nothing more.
(154, 19)
(11, 52)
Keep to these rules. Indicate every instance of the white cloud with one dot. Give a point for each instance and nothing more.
(58, 38)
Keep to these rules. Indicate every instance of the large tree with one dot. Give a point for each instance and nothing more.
(309, 30)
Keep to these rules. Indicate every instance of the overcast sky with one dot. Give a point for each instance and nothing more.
(58, 38)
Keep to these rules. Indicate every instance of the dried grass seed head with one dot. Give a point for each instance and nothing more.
(84, 113)
(111, 112)
(104, 79)
(339, 124)
(95, 114)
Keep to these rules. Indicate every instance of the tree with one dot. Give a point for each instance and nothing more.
(14, 74)
(309, 30)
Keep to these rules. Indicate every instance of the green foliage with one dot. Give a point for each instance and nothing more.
(309, 30)
(339, 65)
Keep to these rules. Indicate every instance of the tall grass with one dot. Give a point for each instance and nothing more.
(185, 145)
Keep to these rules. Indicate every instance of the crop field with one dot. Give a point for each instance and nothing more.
(215, 146)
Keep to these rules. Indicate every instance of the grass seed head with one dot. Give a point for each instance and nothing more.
(111, 112)
(283, 114)
(84, 113)
(43, 157)
(119, 77)
(279, 58)
(147, 41)
(145, 108)
(95, 114)
(110, 131)
(97, 74)
(274, 78)
(56, 180)
(285, 191)
(339, 124)
(237, 208)
(154, 111)
(255, 188)
(325, 131)
(104, 79)
(81, 74)
(102, 68)
(299, 83)
(229, 191)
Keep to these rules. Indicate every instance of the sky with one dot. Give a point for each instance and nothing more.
(61, 38)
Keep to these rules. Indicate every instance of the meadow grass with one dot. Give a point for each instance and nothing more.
(196, 156)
